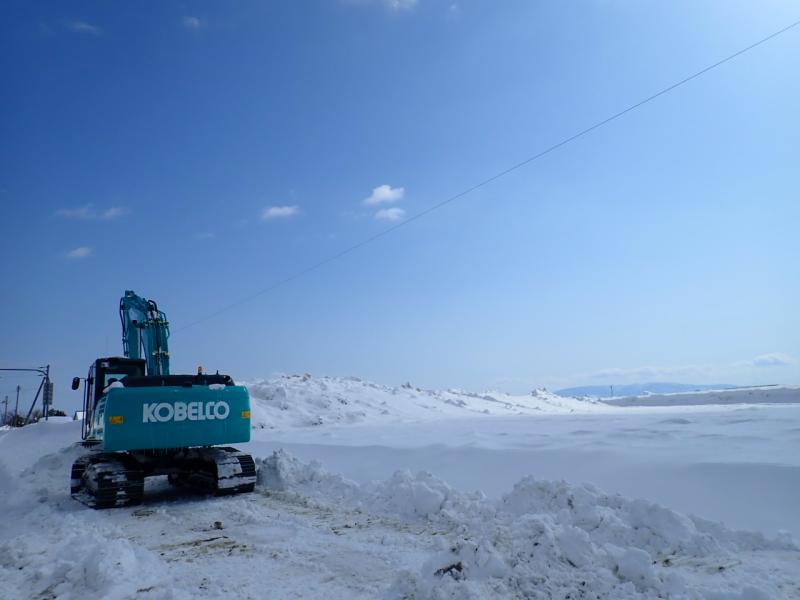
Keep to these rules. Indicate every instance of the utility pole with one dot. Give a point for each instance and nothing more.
(16, 408)
(5, 410)
(47, 393)
(45, 384)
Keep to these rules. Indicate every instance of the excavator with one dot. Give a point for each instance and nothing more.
(141, 421)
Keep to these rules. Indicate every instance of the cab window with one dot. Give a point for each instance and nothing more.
(110, 378)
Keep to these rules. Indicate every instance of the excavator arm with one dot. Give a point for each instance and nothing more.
(145, 332)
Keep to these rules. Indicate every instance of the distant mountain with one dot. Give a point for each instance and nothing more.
(639, 389)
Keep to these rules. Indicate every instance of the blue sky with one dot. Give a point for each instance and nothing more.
(197, 152)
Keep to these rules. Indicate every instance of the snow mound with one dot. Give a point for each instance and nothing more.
(546, 540)
(302, 401)
(78, 564)
(412, 498)
(67, 559)
(282, 472)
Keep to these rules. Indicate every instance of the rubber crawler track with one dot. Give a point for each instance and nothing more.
(108, 479)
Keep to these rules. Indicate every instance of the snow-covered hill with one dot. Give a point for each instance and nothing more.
(752, 395)
(303, 400)
(639, 389)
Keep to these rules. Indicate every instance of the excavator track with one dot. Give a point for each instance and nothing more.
(106, 480)
(218, 470)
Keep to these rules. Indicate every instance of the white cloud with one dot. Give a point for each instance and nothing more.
(205, 235)
(84, 27)
(193, 23)
(395, 5)
(773, 359)
(82, 212)
(390, 214)
(385, 194)
(80, 252)
(279, 212)
(401, 4)
(89, 212)
(113, 212)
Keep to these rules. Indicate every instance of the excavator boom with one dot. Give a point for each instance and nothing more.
(145, 332)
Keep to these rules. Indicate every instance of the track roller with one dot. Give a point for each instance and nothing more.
(218, 470)
(106, 480)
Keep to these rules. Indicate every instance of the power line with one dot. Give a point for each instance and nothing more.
(488, 180)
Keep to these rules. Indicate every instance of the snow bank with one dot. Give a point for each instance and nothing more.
(21, 447)
(547, 540)
(47, 551)
(302, 401)
(77, 564)
(420, 497)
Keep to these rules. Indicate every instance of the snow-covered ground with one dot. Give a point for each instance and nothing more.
(363, 522)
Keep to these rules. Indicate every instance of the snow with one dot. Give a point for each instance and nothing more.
(753, 395)
(542, 535)
(303, 400)
(423, 495)
(59, 419)
(715, 461)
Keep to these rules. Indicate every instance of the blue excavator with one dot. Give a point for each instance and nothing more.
(141, 421)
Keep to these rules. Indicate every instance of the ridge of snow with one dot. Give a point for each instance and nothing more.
(302, 400)
(751, 395)
(544, 539)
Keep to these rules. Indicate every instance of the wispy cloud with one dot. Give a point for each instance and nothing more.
(384, 194)
(205, 235)
(279, 212)
(394, 5)
(773, 359)
(390, 214)
(401, 4)
(79, 252)
(113, 212)
(193, 23)
(89, 212)
(83, 27)
(82, 212)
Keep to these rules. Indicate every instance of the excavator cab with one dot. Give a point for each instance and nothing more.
(100, 376)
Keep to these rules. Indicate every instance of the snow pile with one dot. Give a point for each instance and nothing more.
(282, 472)
(78, 564)
(303, 400)
(62, 557)
(549, 540)
(420, 497)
